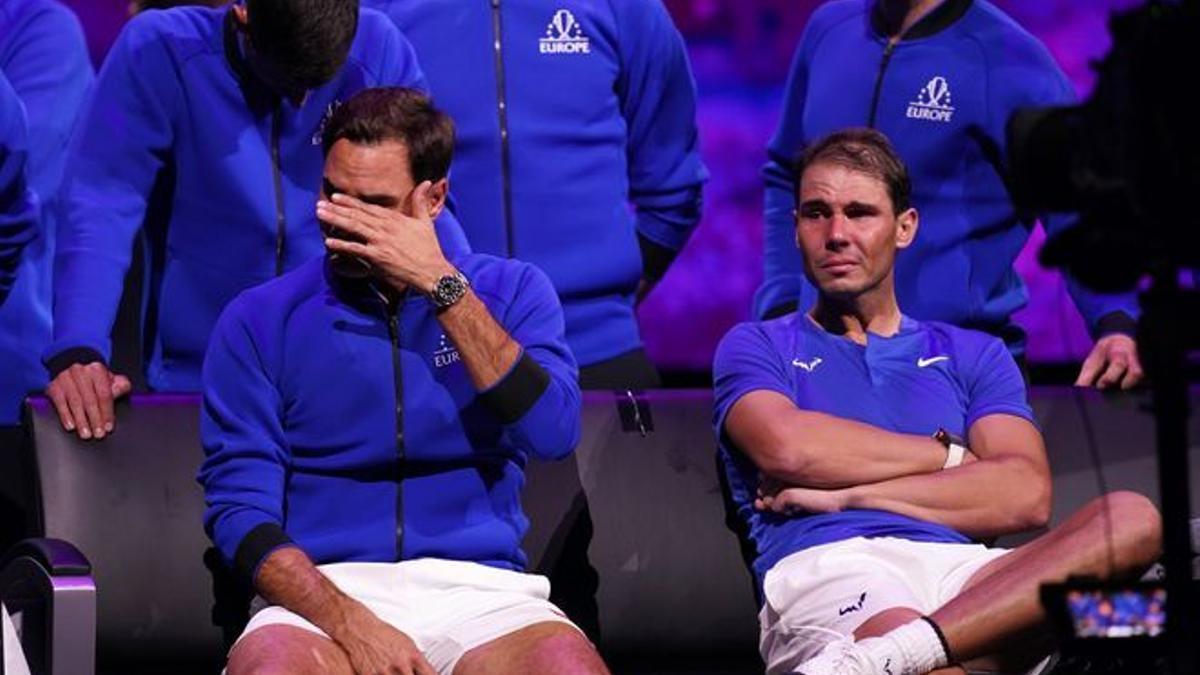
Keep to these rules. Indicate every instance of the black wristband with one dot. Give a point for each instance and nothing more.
(513, 396)
(256, 546)
(941, 638)
(1115, 322)
(69, 357)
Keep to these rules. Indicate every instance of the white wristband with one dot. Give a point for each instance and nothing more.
(954, 456)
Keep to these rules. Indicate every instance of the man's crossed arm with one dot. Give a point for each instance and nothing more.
(814, 462)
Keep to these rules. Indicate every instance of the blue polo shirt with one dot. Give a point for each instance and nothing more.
(927, 376)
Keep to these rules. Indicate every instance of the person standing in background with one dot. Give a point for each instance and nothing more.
(44, 58)
(567, 114)
(229, 103)
(18, 233)
(940, 78)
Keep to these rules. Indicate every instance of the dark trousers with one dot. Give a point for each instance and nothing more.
(573, 580)
(631, 370)
(14, 502)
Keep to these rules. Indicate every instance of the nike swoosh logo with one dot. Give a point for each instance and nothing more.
(925, 363)
(807, 366)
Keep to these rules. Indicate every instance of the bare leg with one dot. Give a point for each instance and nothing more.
(280, 650)
(895, 617)
(1001, 602)
(549, 648)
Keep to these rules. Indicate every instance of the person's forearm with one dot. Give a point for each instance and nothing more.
(823, 451)
(988, 498)
(486, 350)
(288, 578)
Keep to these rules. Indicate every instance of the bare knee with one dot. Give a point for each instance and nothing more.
(284, 650)
(249, 658)
(547, 648)
(1136, 530)
(568, 652)
(246, 660)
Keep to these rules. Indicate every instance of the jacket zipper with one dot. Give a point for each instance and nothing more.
(883, 64)
(280, 217)
(502, 116)
(393, 321)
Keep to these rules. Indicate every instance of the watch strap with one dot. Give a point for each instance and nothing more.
(956, 449)
(954, 456)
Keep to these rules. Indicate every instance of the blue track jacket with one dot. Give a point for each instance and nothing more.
(18, 206)
(352, 429)
(584, 107)
(44, 57)
(943, 95)
(176, 103)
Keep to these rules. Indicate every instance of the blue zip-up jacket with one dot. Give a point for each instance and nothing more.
(175, 97)
(353, 430)
(585, 107)
(18, 206)
(943, 95)
(18, 229)
(44, 56)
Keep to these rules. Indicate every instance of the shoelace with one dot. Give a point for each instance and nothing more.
(847, 654)
(851, 660)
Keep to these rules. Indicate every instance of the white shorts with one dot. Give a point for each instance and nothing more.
(447, 607)
(834, 588)
(12, 655)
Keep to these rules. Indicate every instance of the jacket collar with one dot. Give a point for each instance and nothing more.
(936, 21)
(258, 95)
(233, 49)
(363, 294)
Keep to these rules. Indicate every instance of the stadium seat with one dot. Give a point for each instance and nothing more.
(131, 504)
(48, 599)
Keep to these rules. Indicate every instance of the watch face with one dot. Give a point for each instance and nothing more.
(448, 290)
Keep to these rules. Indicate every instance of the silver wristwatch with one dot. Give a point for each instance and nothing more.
(449, 289)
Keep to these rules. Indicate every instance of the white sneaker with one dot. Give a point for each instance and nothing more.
(844, 657)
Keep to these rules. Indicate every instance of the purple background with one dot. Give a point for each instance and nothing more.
(740, 51)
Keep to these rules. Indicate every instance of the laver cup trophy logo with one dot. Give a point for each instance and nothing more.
(564, 35)
(933, 102)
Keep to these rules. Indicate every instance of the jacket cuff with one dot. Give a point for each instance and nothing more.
(256, 546)
(668, 225)
(69, 357)
(516, 392)
(1115, 322)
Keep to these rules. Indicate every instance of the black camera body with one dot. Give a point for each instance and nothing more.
(1127, 160)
